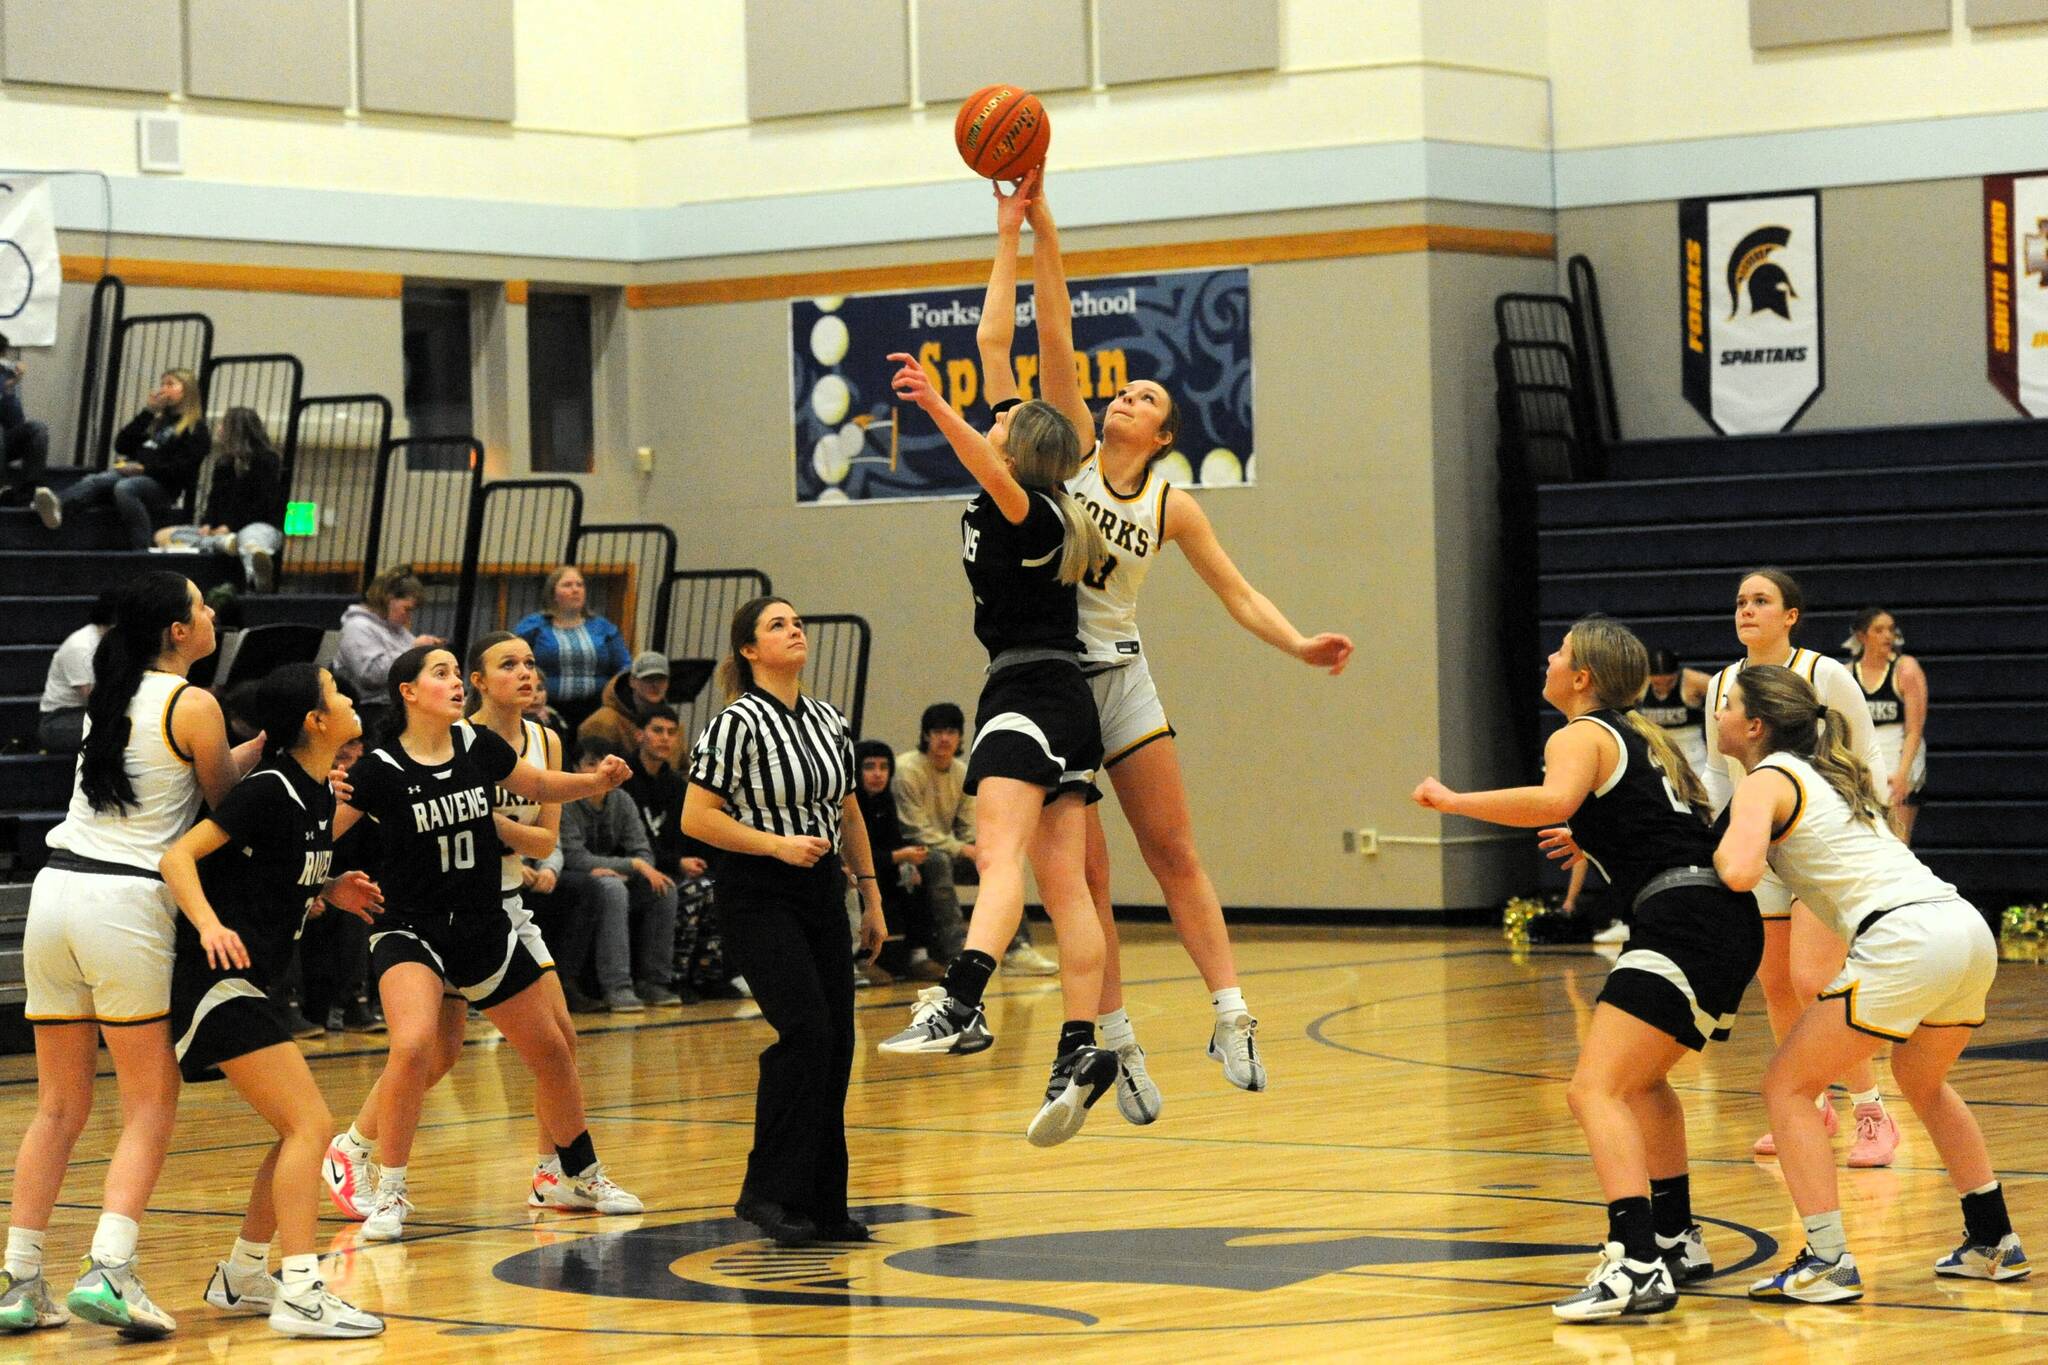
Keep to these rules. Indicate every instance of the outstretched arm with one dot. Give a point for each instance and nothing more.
(554, 788)
(976, 454)
(1055, 312)
(1249, 607)
(998, 326)
(1571, 762)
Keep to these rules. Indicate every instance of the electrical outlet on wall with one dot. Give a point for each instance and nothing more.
(643, 459)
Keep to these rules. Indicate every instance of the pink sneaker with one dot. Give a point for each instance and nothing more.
(1768, 1145)
(348, 1181)
(1877, 1137)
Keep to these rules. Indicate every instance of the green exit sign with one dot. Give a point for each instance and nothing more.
(302, 518)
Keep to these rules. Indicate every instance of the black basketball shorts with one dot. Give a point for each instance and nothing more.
(1037, 723)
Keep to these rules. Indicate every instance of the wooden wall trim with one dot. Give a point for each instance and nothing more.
(1305, 246)
(259, 279)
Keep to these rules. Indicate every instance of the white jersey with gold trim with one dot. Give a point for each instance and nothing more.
(166, 789)
(1135, 527)
(1844, 869)
(533, 751)
(1836, 688)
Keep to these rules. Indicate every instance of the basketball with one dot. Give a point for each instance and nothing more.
(1002, 132)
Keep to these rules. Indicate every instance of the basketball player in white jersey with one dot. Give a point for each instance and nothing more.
(502, 670)
(1920, 964)
(1800, 956)
(1140, 514)
(99, 944)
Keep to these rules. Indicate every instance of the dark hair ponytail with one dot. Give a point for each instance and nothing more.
(144, 608)
(735, 674)
(281, 704)
(404, 669)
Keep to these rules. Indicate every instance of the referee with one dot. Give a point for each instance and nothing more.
(772, 790)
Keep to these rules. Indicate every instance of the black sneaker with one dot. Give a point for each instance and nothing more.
(939, 1023)
(358, 1017)
(778, 1224)
(1079, 1078)
(334, 1021)
(299, 1026)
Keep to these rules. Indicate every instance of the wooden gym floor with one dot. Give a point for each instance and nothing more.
(1411, 1187)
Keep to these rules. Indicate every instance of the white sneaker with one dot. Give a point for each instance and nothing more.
(1686, 1255)
(1809, 1279)
(1620, 1286)
(386, 1222)
(1025, 960)
(1616, 932)
(2006, 1261)
(1233, 1044)
(1078, 1080)
(26, 1305)
(351, 1180)
(110, 1294)
(939, 1023)
(234, 1292)
(591, 1191)
(48, 508)
(318, 1313)
(1137, 1095)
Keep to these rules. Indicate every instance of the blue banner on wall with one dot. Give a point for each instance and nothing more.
(1188, 330)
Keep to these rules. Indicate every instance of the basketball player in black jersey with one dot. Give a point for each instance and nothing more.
(1637, 814)
(429, 786)
(1025, 544)
(246, 878)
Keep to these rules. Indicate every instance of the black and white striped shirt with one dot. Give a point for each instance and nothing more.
(782, 771)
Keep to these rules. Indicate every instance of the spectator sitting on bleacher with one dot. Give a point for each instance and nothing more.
(375, 631)
(575, 653)
(61, 728)
(244, 504)
(907, 951)
(658, 790)
(629, 699)
(605, 837)
(24, 445)
(161, 450)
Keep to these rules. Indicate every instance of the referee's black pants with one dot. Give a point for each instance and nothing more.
(786, 933)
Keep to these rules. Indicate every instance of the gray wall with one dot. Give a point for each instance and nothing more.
(1044, 46)
(446, 57)
(106, 44)
(277, 51)
(1904, 298)
(814, 59)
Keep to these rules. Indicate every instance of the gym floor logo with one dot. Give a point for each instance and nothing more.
(917, 1263)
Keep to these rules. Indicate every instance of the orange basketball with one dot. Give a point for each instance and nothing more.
(1002, 132)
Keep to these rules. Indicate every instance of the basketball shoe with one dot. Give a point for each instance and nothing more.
(314, 1312)
(110, 1294)
(1233, 1044)
(939, 1023)
(592, 1191)
(26, 1305)
(386, 1220)
(1137, 1094)
(1079, 1078)
(235, 1292)
(1620, 1286)
(1767, 1145)
(350, 1176)
(1877, 1137)
(1686, 1255)
(2006, 1261)
(1809, 1279)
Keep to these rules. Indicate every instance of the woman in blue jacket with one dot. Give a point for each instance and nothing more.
(577, 654)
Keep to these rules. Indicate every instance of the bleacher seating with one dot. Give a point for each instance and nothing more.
(1947, 526)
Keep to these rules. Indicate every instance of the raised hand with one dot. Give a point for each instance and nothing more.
(912, 383)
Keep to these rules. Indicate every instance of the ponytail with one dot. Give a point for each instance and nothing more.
(735, 675)
(1085, 548)
(283, 700)
(1668, 756)
(144, 609)
(1798, 724)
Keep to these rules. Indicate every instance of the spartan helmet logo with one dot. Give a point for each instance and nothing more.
(1750, 264)
(2036, 244)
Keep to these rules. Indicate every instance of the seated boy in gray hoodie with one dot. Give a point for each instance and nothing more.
(635, 901)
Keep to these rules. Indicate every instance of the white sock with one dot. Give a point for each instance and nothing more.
(249, 1257)
(391, 1177)
(1115, 1029)
(1825, 1236)
(114, 1239)
(355, 1144)
(299, 1275)
(25, 1253)
(1988, 1187)
(551, 1164)
(1228, 1001)
(1870, 1096)
(920, 955)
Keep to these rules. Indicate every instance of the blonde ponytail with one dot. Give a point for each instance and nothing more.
(1798, 724)
(1836, 762)
(1667, 756)
(1086, 547)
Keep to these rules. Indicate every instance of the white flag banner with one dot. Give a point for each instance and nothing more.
(2016, 285)
(30, 273)
(1750, 300)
